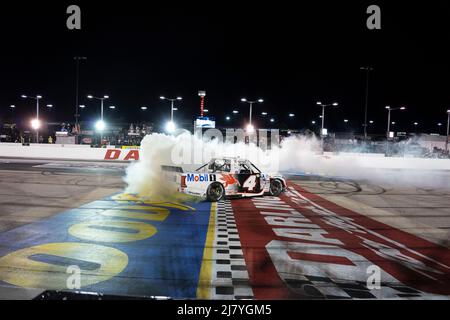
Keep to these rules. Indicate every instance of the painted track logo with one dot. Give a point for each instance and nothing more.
(300, 245)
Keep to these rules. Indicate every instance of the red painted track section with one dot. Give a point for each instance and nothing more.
(322, 240)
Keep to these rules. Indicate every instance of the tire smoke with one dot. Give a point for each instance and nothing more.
(298, 155)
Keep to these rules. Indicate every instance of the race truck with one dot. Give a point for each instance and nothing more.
(230, 177)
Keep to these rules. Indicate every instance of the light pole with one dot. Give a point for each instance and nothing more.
(389, 109)
(171, 125)
(77, 115)
(334, 104)
(35, 124)
(100, 125)
(367, 69)
(448, 127)
(250, 127)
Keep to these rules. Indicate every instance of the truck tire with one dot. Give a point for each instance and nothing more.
(215, 192)
(276, 187)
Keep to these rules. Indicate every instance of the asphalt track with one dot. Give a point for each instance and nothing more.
(321, 239)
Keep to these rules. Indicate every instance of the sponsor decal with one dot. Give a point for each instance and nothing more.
(228, 179)
(124, 155)
(305, 246)
(191, 177)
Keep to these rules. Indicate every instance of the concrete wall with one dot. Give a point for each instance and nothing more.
(67, 152)
(84, 152)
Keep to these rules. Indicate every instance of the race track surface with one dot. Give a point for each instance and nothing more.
(321, 239)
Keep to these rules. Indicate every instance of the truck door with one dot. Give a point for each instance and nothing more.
(249, 182)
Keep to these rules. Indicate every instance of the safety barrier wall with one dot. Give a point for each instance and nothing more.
(85, 152)
(66, 152)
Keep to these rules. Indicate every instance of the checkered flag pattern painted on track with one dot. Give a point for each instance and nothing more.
(230, 277)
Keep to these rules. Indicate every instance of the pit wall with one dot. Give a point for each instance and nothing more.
(67, 152)
(111, 153)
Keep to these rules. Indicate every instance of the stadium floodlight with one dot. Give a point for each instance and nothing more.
(324, 105)
(260, 100)
(35, 124)
(272, 120)
(388, 130)
(291, 115)
(264, 113)
(227, 118)
(100, 125)
(371, 121)
(250, 128)
(49, 106)
(205, 110)
(235, 111)
(144, 108)
(172, 109)
(170, 126)
(112, 107)
(12, 106)
(82, 106)
(313, 122)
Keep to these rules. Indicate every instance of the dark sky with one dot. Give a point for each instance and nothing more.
(292, 55)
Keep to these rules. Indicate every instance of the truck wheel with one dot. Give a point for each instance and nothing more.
(215, 192)
(276, 187)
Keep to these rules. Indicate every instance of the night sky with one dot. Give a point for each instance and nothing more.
(290, 55)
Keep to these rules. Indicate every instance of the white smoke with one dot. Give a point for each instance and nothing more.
(295, 155)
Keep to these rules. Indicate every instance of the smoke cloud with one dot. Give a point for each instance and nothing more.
(296, 155)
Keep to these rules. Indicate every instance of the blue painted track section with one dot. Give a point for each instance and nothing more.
(165, 264)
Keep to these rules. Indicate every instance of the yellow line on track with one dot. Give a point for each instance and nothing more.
(204, 281)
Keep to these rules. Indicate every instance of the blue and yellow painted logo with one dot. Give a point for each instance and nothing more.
(122, 244)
